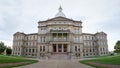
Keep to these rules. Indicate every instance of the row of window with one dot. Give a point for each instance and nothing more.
(30, 54)
(93, 50)
(16, 49)
(42, 48)
(31, 50)
(59, 28)
(31, 43)
(76, 39)
(88, 37)
(26, 44)
(102, 43)
(93, 54)
(89, 54)
(31, 37)
(103, 49)
(19, 43)
(16, 53)
(59, 39)
(77, 49)
(89, 43)
(19, 37)
(42, 39)
(101, 37)
(89, 50)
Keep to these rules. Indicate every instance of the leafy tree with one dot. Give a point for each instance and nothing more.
(8, 50)
(2, 47)
(117, 47)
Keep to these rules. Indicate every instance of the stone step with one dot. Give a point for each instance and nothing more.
(59, 56)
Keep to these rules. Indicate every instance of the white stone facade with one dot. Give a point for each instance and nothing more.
(60, 35)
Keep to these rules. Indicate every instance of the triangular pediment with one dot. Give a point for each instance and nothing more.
(59, 19)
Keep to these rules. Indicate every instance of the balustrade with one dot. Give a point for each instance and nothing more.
(60, 37)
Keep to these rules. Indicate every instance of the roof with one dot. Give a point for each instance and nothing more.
(32, 34)
(19, 33)
(59, 19)
(87, 34)
(60, 13)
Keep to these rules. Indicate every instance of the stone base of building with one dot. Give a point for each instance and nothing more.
(59, 56)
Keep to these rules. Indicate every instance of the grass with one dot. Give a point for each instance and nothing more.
(114, 60)
(11, 59)
(96, 56)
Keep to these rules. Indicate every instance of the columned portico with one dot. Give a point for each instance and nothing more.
(60, 48)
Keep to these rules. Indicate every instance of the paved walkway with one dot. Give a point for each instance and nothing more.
(56, 64)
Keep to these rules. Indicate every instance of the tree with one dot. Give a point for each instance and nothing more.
(8, 50)
(2, 47)
(117, 47)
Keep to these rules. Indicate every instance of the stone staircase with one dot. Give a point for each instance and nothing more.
(59, 57)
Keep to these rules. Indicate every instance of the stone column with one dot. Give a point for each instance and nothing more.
(67, 37)
(62, 48)
(50, 48)
(35, 50)
(70, 37)
(38, 50)
(31, 51)
(20, 51)
(42, 48)
(57, 47)
(62, 37)
(27, 51)
(81, 51)
(57, 36)
(68, 48)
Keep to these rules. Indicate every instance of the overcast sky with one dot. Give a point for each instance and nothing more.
(96, 15)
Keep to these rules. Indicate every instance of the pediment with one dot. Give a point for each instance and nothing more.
(59, 19)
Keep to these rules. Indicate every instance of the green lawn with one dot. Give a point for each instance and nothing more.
(115, 60)
(11, 59)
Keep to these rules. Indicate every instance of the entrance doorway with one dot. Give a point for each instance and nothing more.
(54, 48)
(65, 48)
(61, 48)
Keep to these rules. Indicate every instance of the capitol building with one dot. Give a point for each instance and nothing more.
(60, 36)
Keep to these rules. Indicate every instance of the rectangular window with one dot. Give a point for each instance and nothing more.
(32, 50)
(75, 48)
(43, 48)
(40, 48)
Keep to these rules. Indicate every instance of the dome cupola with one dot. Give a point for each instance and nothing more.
(60, 13)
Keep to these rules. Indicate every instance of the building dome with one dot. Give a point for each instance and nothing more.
(60, 13)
